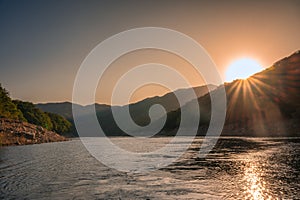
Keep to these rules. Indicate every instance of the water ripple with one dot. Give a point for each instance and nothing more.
(237, 168)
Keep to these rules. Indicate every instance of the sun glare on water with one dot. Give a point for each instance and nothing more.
(242, 69)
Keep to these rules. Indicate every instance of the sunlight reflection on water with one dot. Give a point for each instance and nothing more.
(255, 187)
(237, 168)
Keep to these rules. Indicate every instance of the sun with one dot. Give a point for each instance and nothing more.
(242, 69)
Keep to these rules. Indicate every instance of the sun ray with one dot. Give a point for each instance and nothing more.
(234, 93)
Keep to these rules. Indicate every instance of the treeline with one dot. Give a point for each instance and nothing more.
(28, 112)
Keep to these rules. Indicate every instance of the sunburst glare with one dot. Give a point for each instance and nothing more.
(242, 69)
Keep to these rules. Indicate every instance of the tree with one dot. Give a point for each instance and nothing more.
(33, 114)
(7, 108)
(60, 124)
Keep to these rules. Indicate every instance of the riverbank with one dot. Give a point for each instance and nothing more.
(15, 132)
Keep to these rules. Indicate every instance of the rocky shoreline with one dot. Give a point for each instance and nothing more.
(16, 132)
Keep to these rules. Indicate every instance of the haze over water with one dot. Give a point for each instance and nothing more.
(237, 168)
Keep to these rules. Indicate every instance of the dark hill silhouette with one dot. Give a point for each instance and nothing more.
(65, 108)
(265, 104)
(139, 111)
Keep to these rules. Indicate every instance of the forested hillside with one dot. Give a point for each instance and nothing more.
(28, 112)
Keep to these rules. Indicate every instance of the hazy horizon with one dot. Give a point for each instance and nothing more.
(158, 95)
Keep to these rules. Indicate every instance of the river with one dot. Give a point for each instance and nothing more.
(237, 168)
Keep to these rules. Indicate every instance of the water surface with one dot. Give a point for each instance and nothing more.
(237, 168)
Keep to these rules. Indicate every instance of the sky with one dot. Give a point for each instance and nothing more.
(43, 43)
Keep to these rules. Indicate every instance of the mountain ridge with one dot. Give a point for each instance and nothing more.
(265, 104)
(139, 110)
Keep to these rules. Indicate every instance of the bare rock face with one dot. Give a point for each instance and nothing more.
(14, 132)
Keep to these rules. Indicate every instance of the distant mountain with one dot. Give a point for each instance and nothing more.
(139, 111)
(65, 108)
(265, 104)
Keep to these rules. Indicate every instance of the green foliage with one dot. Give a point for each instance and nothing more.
(27, 111)
(7, 108)
(60, 124)
(34, 115)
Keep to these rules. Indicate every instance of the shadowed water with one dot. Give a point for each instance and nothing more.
(237, 168)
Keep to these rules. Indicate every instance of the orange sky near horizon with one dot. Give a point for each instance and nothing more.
(43, 44)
